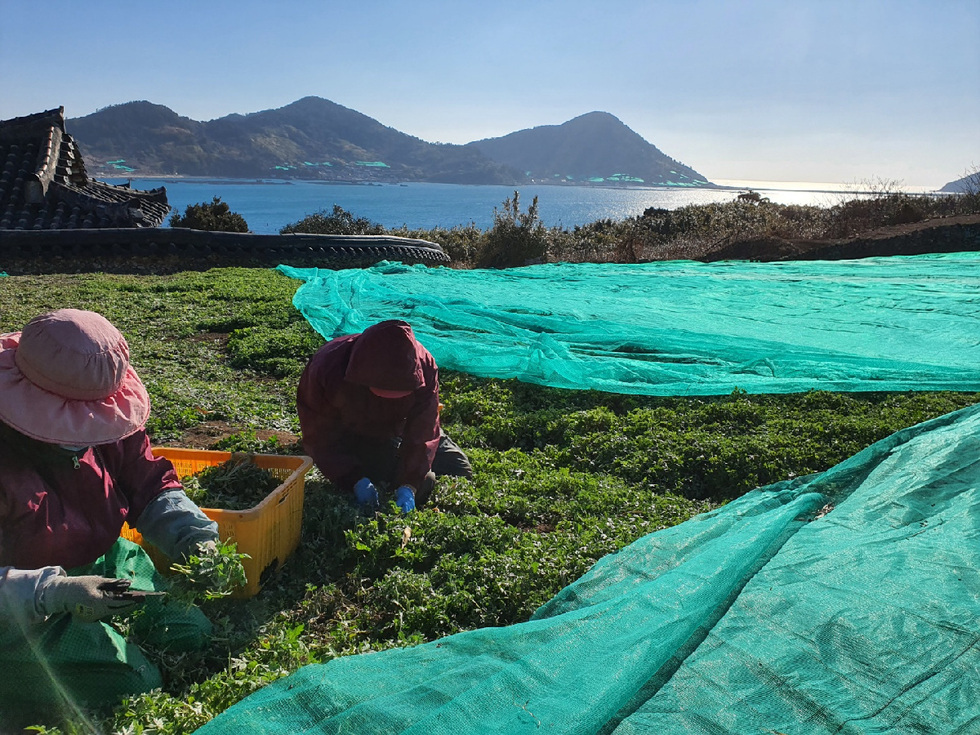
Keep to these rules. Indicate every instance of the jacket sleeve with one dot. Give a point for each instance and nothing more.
(142, 475)
(174, 524)
(159, 508)
(322, 429)
(420, 438)
(20, 592)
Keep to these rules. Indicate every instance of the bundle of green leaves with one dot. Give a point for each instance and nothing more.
(214, 572)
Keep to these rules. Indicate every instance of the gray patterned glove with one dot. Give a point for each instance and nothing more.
(88, 598)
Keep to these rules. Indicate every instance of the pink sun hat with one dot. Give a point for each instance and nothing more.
(66, 379)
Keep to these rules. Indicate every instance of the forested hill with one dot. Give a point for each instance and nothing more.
(314, 138)
(593, 147)
(310, 138)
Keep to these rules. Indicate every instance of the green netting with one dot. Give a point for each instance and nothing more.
(844, 602)
(63, 663)
(679, 327)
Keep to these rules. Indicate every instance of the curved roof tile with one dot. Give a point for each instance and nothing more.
(44, 185)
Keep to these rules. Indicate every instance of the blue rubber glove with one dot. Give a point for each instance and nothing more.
(405, 498)
(366, 493)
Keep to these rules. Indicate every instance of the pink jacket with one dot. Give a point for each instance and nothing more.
(333, 400)
(67, 515)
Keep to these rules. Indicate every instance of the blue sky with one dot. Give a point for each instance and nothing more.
(846, 91)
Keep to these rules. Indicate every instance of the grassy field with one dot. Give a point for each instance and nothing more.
(561, 479)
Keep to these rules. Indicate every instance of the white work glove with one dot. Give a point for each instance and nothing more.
(88, 598)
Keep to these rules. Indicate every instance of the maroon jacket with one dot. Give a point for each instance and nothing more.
(65, 516)
(334, 401)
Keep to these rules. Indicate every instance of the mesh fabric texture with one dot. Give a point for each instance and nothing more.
(64, 663)
(843, 602)
(678, 327)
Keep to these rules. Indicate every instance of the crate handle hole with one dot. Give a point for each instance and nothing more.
(269, 571)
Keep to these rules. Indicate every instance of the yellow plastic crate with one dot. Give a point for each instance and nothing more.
(268, 532)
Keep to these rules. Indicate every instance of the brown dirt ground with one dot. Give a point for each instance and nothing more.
(206, 434)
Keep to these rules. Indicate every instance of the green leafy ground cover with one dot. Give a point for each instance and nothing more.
(561, 479)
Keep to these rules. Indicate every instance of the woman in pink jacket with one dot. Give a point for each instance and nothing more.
(75, 463)
(368, 407)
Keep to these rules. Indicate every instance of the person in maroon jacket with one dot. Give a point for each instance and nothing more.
(75, 463)
(368, 408)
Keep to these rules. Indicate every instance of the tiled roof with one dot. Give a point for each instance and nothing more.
(43, 183)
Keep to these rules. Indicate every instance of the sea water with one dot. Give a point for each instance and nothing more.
(269, 205)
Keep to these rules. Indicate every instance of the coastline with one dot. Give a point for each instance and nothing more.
(732, 185)
(179, 178)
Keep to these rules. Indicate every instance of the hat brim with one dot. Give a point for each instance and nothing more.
(50, 418)
(383, 393)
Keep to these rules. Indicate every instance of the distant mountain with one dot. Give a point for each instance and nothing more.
(310, 138)
(314, 138)
(595, 147)
(969, 184)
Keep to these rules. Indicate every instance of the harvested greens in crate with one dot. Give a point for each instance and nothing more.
(236, 484)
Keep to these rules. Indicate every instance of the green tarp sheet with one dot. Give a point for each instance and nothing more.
(679, 327)
(844, 602)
